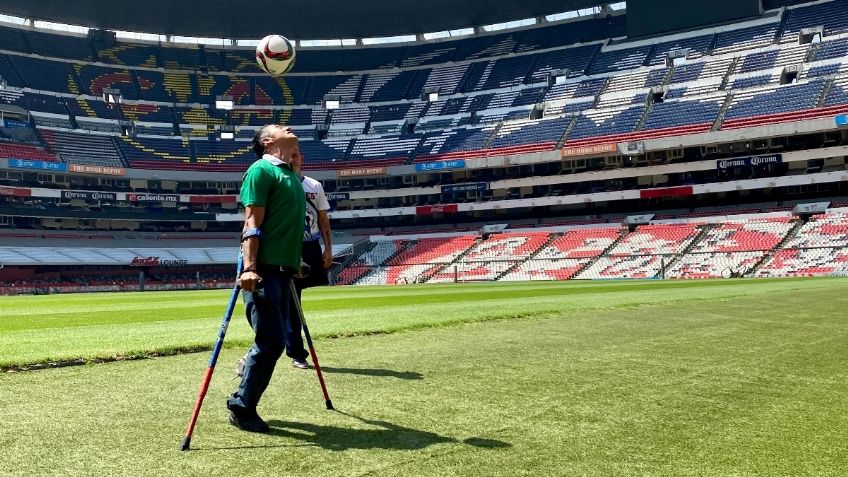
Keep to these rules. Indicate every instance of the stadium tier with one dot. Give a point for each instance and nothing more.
(758, 246)
(496, 93)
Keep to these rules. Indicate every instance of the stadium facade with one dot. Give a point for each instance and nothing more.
(601, 152)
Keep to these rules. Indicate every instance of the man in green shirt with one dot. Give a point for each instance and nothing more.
(272, 237)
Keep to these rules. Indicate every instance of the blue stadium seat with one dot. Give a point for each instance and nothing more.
(454, 140)
(93, 79)
(60, 46)
(530, 131)
(130, 55)
(832, 15)
(794, 97)
(46, 75)
(618, 60)
(575, 60)
(670, 114)
(380, 87)
(696, 47)
(595, 123)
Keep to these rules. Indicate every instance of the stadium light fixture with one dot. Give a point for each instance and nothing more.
(224, 102)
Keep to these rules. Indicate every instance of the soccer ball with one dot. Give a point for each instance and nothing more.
(275, 55)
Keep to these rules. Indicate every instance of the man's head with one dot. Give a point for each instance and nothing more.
(297, 160)
(276, 140)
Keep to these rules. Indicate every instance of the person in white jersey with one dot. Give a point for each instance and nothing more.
(317, 229)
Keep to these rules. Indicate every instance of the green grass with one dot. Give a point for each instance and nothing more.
(614, 378)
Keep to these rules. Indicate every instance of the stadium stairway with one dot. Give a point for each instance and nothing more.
(341, 276)
(780, 246)
(533, 255)
(649, 107)
(567, 132)
(725, 79)
(612, 246)
(704, 230)
(120, 152)
(822, 101)
(488, 143)
(446, 267)
(723, 111)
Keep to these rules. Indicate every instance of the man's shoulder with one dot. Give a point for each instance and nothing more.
(258, 165)
(311, 184)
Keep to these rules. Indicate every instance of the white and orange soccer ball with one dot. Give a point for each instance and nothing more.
(275, 55)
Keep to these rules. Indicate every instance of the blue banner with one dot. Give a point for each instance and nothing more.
(38, 165)
(473, 187)
(842, 120)
(438, 166)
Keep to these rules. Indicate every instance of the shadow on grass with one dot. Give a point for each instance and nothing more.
(385, 435)
(382, 373)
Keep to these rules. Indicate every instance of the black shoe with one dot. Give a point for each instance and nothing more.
(247, 420)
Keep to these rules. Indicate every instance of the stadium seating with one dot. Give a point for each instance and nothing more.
(507, 246)
(546, 269)
(151, 152)
(94, 79)
(675, 113)
(656, 239)
(743, 236)
(384, 147)
(806, 262)
(714, 265)
(696, 47)
(470, 272)
(34, 102)
(575, 60)
(545, 132)
(745, 38)
(90, 149)
(833, 16)
(623, 59)
(485, 83)
(581, 243)
(25, 151)
(644, 266)
(829, 230)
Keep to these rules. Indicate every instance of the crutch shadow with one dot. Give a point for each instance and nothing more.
(382, 373)
(383, 435)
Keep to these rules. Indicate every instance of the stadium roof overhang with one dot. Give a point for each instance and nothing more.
(297, 19)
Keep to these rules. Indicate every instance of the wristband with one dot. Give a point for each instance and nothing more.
(249, 269)
(251, 232)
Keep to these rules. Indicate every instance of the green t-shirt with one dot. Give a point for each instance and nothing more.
(278, 190)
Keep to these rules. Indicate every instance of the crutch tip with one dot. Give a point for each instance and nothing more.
(186, 444)
(330, 405)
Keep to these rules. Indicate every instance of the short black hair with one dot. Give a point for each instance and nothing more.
(258, 147)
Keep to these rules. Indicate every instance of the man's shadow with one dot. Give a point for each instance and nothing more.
(385, 436)
(381, 373)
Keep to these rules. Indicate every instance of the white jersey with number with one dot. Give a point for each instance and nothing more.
(316, 200)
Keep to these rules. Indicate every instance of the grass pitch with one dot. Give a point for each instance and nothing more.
(605, 378)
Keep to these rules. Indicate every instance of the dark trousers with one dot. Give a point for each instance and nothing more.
(294, 337)
(268, 310)
(318, 276)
